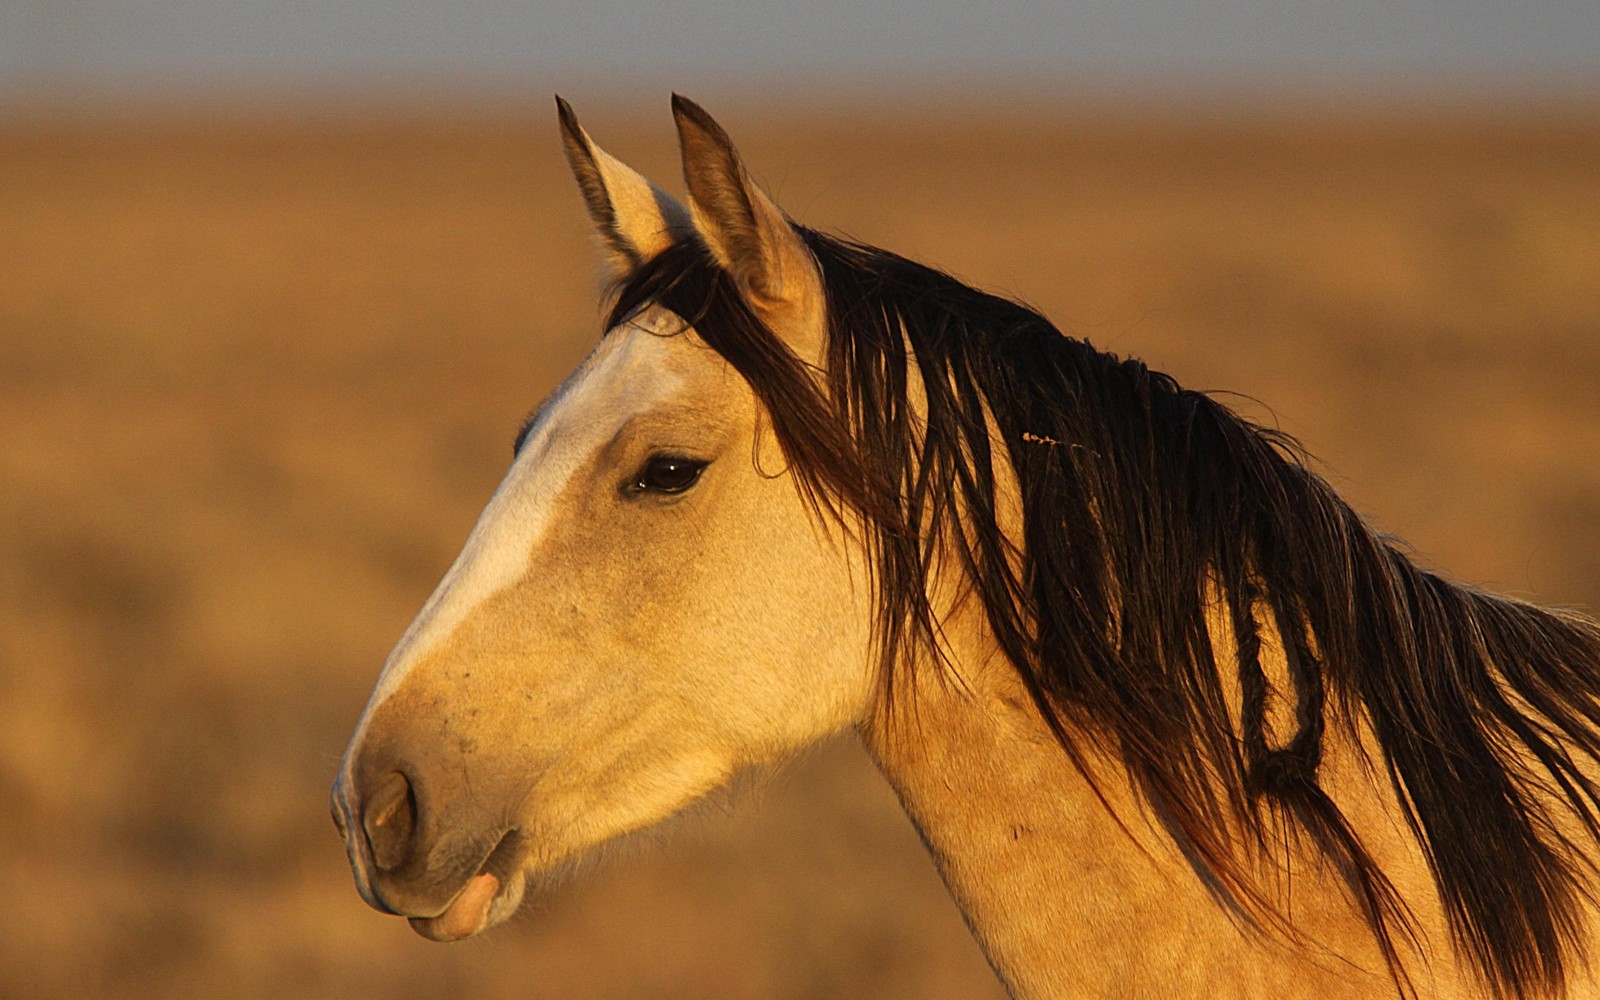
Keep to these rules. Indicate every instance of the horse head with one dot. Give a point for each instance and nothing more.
(648, 603)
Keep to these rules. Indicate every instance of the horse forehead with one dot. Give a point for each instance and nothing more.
(639, 363)
(636, 368)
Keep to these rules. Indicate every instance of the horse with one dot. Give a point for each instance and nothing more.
(1171, 719)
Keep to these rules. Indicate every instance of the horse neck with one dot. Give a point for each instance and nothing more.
(1072, 888)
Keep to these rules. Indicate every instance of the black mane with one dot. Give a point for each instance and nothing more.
(1142, 502)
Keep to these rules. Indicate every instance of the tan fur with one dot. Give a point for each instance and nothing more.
(598, 659)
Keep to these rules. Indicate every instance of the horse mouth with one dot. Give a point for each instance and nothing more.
(486, 898)
(466, 915)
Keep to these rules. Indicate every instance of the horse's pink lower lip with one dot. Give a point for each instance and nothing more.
(467, 913)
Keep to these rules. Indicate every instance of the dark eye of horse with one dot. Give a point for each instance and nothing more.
(667, 474)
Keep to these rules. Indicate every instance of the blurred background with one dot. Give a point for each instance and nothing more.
(279, 280)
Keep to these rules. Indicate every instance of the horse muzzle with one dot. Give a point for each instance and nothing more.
(448, 887)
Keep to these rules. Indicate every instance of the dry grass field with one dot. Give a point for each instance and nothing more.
(256, 380)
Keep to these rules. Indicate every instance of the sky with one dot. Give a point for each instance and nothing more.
(124, 47)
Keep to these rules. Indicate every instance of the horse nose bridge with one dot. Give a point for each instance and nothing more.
(407, 765)
(402, 719)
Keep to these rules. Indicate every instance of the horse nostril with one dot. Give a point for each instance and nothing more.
(390, 818)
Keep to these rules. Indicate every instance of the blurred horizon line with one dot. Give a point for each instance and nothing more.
(1141, 95)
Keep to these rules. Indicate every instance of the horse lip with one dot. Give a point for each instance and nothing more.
(355, 848)
(374, 899)
(501, 861)
(469, 913)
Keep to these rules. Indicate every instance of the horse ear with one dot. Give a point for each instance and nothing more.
(634, 219)
(749, 235)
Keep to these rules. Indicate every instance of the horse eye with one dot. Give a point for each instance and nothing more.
(667, 474)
